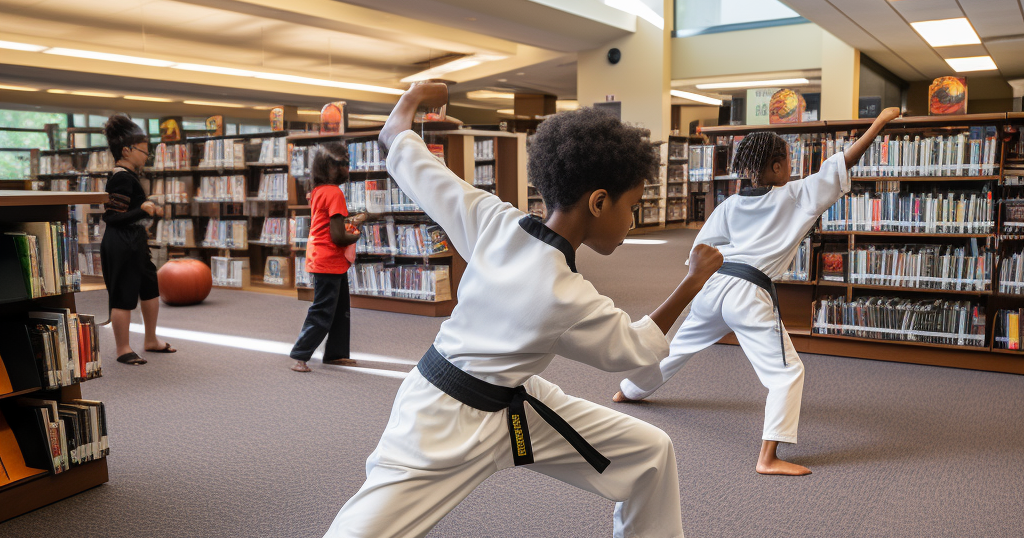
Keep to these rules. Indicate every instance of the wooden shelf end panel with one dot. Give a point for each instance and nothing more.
(51, 488)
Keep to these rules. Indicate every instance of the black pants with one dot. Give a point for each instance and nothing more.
(128, 270)
(328, 316)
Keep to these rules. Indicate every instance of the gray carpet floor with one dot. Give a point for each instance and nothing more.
(218, 441)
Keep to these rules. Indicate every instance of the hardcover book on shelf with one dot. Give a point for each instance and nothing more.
(933, 321)
(276, 270)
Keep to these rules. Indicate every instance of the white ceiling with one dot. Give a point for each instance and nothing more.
(881, 29)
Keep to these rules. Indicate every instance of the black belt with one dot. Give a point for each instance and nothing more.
(484, 396)
(754, 276)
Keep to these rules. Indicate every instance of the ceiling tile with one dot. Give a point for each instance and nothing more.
(962, 51)
(992, 18)
(1007, 55)
(927, 10)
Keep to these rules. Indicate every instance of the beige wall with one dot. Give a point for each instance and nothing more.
(840, 79)
(780, 48)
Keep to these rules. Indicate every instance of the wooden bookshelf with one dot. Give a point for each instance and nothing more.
(32, 488)
(797, 299)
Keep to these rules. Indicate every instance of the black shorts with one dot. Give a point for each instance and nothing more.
(128, 269)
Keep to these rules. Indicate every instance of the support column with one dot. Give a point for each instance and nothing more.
(840, 79)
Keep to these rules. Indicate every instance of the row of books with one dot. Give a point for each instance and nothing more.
(172, 157)
(229, 272)
(934, 321)
(677, 189)
(483, 174)
(298, 230)
(223, 154)
(65, 435)
(678, 172)
(678, 149)
(799, 269)
(273, 187)
(48, 255)
(226, 234)
(938, 267)
(218, 189)
(274, 151)
(1008, 332)
(702, 162)
(65, 346)
(934, 213)
(92, 184)
(377, 196)
(1011, 274)
(89, 259)
(420, 282)
(675, 210)
(388, 238)
(1013, 177)
(970, 153)
(100, 161)
(1013, 215)
(170, 191)
(59, 163)
(365, 157)
(175, 232)
(302, 277)
(275, 270)
(650, 212)
(483, 149)
(275, 231)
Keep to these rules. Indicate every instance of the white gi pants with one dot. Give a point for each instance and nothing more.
(729, 304)
(436, 450)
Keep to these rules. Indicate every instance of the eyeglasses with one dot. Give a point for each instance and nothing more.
(148, 154)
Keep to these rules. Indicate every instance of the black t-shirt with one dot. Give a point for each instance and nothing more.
(126, 198)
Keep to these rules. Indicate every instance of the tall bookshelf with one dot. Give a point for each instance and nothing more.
(677, 182)
(849, 234)
(25, 487)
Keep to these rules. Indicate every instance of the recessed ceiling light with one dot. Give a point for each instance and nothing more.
(18, 88)
(520, 74)
(57, 91)
(507, 111)
(93, 94)
(146, 98)
(947, 32)
(263, 107)
(478, 95)
(329, 83)
(502, 80)
(214, 103)
(455, 65)
(754, 84)
(215, 69)
(91, 55)
(972, 63)
(27, 47)
(696, 97)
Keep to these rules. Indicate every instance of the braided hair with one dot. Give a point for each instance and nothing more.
(756, 153)
(121, 133)
(329, 154)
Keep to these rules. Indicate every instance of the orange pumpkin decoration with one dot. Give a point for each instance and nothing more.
(184, 282)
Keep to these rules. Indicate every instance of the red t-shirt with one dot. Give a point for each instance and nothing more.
(322, 255)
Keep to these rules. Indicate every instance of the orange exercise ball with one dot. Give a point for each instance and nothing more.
(184, 282)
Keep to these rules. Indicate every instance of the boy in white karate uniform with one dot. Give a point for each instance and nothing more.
(460, 416)
(758, 233)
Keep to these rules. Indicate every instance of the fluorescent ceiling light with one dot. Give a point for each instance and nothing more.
(214, 103)
(754, 84)
(479, 95)
(57, 91)
(18, 88)
(215, 69)
(638, 8)
(310, 112)
(329, 83)
(507, 111)
(108, 57)
(567, 104)
(947, 32)
(93, 94)
(696, 97)
(262, 107)
(972, 63)
(452, 66)
(369, 117)
(146, 98)
(22, 46)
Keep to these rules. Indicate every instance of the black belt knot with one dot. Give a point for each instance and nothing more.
(485, 396)
(754, 276)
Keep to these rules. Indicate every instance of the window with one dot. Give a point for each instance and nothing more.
(16, 164)
(695, 17)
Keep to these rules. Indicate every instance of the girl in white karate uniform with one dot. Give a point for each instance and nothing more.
(758, 232)
(459, 417)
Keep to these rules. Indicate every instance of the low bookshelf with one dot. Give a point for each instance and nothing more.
(29, 476)
(921, 262)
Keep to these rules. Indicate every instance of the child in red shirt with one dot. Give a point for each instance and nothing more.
(330, 252)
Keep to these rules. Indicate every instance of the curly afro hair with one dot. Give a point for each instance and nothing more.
(330, 154)
(577, 152)
(756, 152)
(121, 133)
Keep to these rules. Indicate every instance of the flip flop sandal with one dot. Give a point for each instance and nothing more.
(131, 358)
(339, 361)
(166, 349)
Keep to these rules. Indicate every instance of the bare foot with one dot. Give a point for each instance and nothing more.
(430, 95)
(300, 366)
(621, 398)
(769, 463)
